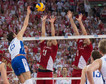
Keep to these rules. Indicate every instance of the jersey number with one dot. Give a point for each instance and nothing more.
(12, 47)
(44, 52)
(98, 74)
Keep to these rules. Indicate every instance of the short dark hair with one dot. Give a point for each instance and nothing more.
(102, 46)
(96, 55)
(10, 36)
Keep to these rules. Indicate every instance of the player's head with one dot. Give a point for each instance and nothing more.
(95, 55)
(85, 43)
(102, 46)
(11, 36)
(49, 43)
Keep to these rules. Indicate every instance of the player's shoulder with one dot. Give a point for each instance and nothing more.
(15, 39)
(103, 58)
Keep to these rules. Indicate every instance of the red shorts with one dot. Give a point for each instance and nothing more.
(76, 73)
(42, 75)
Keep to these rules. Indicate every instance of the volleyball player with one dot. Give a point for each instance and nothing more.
(97, 77)
(84, 48)
(48, 53)
(99, 64)
(3, 73)
(17, 51)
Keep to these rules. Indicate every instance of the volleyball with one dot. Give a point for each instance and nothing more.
(40, 7)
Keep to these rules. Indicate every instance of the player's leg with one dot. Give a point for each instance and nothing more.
(78, 82)
(49, 82)
(49, 74)
(74, 74)
(25, 71)
(39, 75)
(79, 75)
(74, 82)
(27, 77)
(4, 73)
(21, 68)
(21, 78)
(40, 82)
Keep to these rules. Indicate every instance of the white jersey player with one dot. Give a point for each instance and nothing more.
(97, 77)
(17, 51)
(99, 64)
(103, 68)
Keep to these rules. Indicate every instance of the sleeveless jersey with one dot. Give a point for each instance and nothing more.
(16, 47)
(103, 68)
(97, 77)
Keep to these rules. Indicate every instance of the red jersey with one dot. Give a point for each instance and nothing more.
(83, 54)
(48, 55)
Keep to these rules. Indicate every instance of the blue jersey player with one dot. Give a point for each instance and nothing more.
(17, 51)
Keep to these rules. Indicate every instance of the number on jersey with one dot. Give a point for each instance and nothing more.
(96, 74)
(44, 52)
(12, 46)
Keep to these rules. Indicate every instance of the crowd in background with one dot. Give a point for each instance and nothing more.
(13, 12)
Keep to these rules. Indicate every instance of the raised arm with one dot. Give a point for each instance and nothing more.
(52, 19)
(21, 32)
(82, 27)
(81, 24)
(43, 26)
(69, 14)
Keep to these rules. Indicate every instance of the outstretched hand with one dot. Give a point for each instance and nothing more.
(69, 14)
(44, 18)
(80, 17)
(52, 19)
(28, 9)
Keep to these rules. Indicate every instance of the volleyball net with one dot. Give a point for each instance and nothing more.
(63, 37)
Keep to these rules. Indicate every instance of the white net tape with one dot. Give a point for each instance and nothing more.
(48, 78)
(63, 37)
(59, 78)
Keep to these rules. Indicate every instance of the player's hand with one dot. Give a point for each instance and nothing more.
(44, 18)
(52, 19)
(69, 14)
(80, 17)
(28, 9)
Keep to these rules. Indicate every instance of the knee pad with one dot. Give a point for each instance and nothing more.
(29, 81)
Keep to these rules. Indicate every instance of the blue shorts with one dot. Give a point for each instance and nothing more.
(20, 65)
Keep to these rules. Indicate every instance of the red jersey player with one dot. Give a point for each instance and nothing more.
(48, 54)
(84, 49)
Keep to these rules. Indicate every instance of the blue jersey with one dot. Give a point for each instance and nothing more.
(16, 47)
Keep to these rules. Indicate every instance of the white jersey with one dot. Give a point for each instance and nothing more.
(103, 68)
(97, 77)
(63, 82)
(16, 47)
